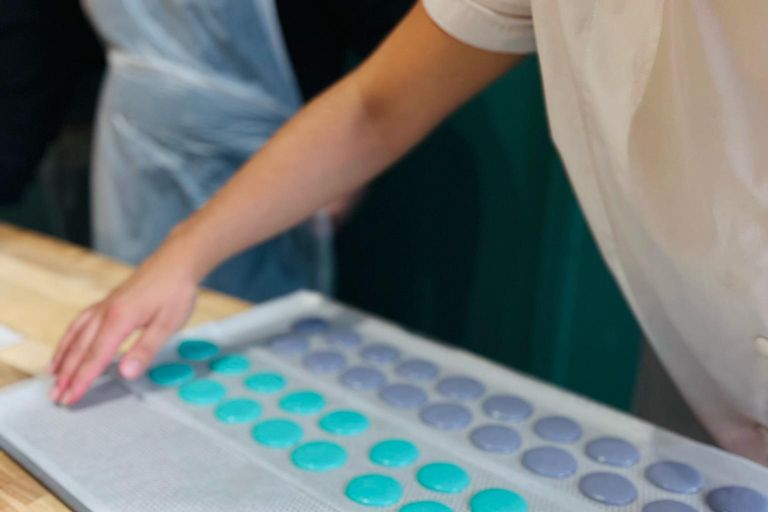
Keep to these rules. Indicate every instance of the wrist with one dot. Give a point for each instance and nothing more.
(186, 250)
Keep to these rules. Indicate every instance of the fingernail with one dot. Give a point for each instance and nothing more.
(130, 368)
(54, 393)
(65, 398)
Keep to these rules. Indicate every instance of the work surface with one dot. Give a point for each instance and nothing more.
(44, 283)
(329, 409)
(305, 404)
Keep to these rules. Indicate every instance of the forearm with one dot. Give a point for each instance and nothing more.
(329, 148)
(341, 140)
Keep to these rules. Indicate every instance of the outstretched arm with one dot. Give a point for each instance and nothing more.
(335, 144)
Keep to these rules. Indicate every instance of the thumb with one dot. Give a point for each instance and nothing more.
(136, 360)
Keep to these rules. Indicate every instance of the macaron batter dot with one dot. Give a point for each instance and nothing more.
(231, 364)
(319, 456)
(507, 408)
(668, 506)
(497, 500)
(344, 423)
(277, 433)
(675, 477)
(239, 410)
(311, 325)
(417, 369)
(403, 396)
(171, 374)
(737, 499)
(343, 338)
(361, 378)
(325, 361)
(374, 490)
(495, 438)
(558, 429)
(550, 462)
(394, 453)
(608, 488)
(265, 383)
(460, 388)
(425, 506)
(446, 416)
(289, 344)
(197, 350)
(613, 451)
(202, 392)
(303, 402)
(443, 477)
(380, 353)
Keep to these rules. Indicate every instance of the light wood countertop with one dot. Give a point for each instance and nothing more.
(44, 283)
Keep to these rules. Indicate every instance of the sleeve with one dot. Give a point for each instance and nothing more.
(494, 25)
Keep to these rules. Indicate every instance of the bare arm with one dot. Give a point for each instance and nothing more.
(346, 137)
(338, 142)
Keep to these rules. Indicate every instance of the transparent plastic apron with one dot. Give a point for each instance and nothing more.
(193, 89)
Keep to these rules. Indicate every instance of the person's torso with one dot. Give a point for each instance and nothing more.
(659, 112)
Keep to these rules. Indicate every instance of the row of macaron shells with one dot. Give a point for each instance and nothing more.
(548, 461)
(320, 456)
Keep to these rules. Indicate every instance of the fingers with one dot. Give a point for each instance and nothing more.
(71, 357)
(162, 326)
(136, 360)
(158, 302)
(115, 328)
(71, 333)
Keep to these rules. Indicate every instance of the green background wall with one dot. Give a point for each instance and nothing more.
(476, 239)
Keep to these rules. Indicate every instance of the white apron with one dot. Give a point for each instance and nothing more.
(193, 89)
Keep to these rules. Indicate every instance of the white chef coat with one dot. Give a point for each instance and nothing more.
(660, 112)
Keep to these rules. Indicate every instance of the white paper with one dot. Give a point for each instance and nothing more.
(8, 336)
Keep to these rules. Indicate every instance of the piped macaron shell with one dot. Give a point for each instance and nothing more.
(230, 364)
(202, 392)
(374, 490)
(171, 374)
(197, 350)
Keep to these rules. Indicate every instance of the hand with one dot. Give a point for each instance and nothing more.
(157, 299)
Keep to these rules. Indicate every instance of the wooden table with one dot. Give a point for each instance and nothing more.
(44, 283)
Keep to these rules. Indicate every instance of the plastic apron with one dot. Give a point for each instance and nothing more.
(193, 89)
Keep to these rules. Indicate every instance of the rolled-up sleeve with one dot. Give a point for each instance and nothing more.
(495, 25)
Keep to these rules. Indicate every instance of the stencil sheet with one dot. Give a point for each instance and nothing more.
(137, 446)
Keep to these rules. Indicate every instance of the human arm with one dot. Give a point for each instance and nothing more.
(337, 143)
